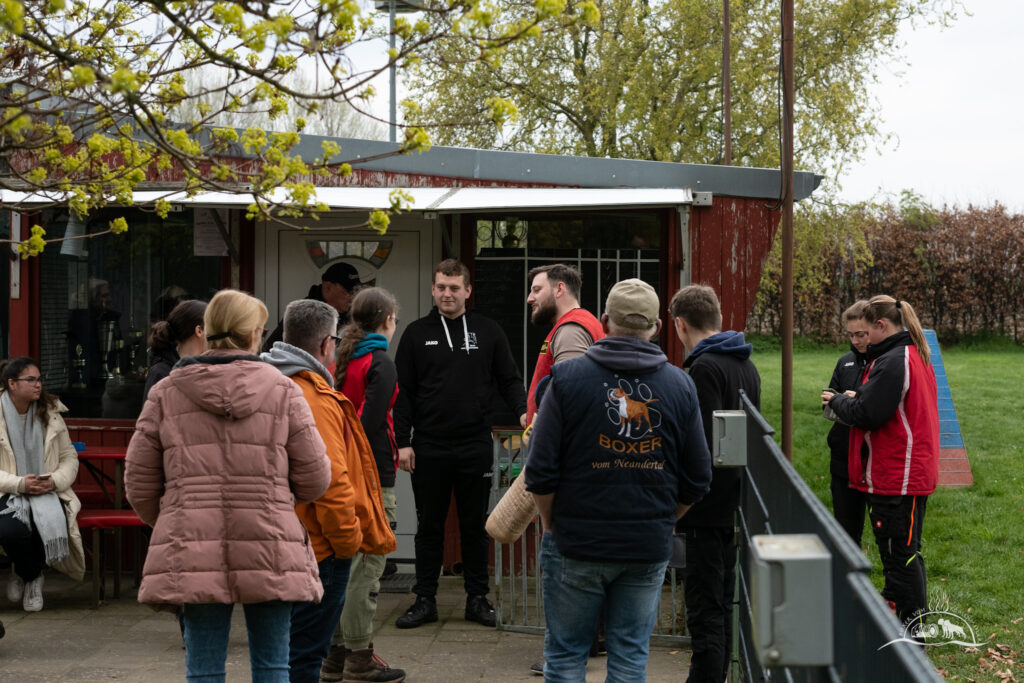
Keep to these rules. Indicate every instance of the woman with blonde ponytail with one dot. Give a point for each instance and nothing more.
(894, 446)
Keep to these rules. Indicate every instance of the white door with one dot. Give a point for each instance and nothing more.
(399, 261)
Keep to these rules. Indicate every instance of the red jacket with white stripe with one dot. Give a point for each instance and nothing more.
(894, 440)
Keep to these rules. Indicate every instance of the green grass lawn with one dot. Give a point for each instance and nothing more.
(973, 537)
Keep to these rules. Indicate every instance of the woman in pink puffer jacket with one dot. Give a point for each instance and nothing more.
(223, 450)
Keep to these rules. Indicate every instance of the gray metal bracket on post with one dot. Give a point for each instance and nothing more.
(791, 600)
(729, 438)
(702, 199)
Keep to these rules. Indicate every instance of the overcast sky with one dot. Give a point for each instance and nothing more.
(957, 112)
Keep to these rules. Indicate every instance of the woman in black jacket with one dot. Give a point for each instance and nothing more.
(848, 505)
(178, 336)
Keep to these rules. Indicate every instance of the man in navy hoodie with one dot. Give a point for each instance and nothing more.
(719, 364)
(617, 456)
(449, 363)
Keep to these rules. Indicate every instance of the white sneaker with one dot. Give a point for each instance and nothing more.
(33, 601)
(15, 588)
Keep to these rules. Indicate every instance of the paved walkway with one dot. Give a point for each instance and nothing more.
(125, 641)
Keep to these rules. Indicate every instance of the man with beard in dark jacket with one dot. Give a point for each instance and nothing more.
(848, 504)
(617, 456)
(719, 364)
(449, 364)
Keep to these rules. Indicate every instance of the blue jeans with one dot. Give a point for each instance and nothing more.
(313, 623)
(575, 592)
(206, 641)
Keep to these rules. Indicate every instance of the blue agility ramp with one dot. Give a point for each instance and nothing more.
(954, 467)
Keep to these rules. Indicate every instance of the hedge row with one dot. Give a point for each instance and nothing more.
(961, 268)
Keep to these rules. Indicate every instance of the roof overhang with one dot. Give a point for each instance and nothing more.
(439, 199)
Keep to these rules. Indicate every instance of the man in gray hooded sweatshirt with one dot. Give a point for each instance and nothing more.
(334, 530)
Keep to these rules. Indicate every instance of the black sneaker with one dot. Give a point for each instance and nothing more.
(479, 610)
(423, 611)
(537, 668)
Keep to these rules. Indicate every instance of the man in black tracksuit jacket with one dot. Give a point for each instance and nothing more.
(719, 364)
(848, 505)
(450, 362)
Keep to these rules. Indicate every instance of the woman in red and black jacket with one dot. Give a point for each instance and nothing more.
(894, 445)
(367, 376)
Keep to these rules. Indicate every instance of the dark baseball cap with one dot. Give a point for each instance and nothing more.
(342, 274)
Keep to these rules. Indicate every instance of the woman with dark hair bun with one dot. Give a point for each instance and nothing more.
(172, 339)
(37, 467)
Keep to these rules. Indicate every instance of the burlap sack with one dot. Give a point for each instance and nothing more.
(512, 514)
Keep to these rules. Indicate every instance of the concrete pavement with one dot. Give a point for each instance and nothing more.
(125, 641)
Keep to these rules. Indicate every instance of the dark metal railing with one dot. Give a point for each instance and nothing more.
(776, 500)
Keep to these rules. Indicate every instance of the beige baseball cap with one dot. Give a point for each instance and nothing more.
(632, 297)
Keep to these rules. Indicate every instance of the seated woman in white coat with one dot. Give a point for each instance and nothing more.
(38, 464)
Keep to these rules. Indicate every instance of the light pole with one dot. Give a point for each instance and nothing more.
(393, 7)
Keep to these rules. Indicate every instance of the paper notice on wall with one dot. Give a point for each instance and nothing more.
(206, 235)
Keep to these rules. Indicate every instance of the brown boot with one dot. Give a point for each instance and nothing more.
(363, 665)
(333, 668)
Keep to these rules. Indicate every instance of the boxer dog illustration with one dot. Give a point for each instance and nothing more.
(630, 412)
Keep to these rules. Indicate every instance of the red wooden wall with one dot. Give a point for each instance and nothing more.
(24, 311)
(729, 242)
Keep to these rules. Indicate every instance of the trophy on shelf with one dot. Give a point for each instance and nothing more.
(108, 346)
(137, 366)
(78, 369)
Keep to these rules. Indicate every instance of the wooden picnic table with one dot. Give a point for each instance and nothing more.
(92, 458)
(92, 455)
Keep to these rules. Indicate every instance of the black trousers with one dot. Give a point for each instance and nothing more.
(848, 507)
(897, 523)
(465, 468)
(710, 577)
(22, 545)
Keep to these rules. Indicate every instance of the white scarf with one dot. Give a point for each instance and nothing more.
(45, 512)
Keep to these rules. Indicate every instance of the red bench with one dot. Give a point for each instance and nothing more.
(91, 495)
(98, 521)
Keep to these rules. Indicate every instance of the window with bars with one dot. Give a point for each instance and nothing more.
(606, 247)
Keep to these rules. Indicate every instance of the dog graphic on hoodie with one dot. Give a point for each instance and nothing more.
(631, 411)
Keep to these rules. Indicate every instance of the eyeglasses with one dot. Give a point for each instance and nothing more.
(30, 380)
(336, 338)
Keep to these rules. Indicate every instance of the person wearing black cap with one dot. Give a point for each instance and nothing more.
(338, 285)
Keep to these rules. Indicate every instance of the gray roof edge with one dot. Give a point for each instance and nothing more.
(572, 171)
